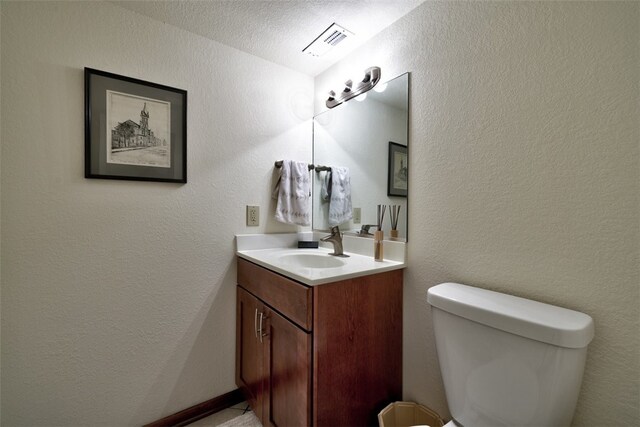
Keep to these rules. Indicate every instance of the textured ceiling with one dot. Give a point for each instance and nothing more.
(278, 30)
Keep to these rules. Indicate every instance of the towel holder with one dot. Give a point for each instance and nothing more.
(322, 168)
(278, 164)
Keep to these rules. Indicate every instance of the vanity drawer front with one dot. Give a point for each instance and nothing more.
(290, 298)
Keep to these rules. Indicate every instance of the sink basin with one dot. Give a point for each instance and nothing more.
(309, 260)
(314, 266)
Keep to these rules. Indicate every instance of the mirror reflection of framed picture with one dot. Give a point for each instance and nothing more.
(134, 130)
(398, 170)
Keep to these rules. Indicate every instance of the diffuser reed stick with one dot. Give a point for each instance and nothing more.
(394, 214)
(381, 210)
(378, 236)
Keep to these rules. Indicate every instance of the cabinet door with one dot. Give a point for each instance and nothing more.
(249, 351)
(357, 349)
(288, 364)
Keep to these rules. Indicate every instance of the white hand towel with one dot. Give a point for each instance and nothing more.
(294, 194)
(340, 204)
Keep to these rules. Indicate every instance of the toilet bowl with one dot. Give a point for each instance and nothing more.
(505, 360)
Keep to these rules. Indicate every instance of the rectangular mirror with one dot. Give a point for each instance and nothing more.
(369, 137)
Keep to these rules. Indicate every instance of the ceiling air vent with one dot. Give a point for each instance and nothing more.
(330, 38)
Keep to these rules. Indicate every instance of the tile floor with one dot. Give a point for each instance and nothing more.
(223, 416)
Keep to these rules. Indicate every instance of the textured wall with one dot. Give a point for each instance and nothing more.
(118, 297)
(524, 173)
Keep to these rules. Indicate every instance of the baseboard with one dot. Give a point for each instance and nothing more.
(201, 410)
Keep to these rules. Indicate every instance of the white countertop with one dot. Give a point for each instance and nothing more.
(275, 258)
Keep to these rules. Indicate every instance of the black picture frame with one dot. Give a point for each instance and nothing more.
(398, 172)
(134, 129)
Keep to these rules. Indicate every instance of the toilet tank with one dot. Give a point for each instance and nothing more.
(505, 360)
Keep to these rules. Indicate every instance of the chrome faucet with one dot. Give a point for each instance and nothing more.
(364, 230)
(336, 239)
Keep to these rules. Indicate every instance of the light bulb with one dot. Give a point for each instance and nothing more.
(380, 88)
(361, 97)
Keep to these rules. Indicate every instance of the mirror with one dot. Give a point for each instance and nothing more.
(369, 137)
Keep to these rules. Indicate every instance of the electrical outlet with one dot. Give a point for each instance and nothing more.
(253, 215)
(357, 215)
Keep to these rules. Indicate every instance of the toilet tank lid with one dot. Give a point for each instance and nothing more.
(532, 319)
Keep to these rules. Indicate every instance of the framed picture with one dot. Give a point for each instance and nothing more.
(398, 172)
(134, 130)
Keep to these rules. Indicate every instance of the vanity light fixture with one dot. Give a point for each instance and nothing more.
(371, 78)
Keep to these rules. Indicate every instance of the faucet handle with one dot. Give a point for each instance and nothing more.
(335, 233)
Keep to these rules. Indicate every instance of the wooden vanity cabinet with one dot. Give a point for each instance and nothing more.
(325, 355)
(249, 354)
(273, 371)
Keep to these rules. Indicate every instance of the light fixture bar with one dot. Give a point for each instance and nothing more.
(371, 78)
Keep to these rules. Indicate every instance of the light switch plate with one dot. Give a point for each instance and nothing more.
(253, 215)
(357, 214)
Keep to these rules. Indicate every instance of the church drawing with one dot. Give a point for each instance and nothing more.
(131, 135)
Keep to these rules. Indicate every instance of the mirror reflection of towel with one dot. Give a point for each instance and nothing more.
(292, 206)
(340, 204)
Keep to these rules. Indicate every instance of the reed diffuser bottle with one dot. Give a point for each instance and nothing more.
(394, 214)
(378, 236)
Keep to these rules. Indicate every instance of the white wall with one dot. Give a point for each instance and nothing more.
(524, 172)
(118, 297)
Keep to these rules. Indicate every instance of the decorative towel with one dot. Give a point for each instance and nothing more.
(340, 204)
(294, 194)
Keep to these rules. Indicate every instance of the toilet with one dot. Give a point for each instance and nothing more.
(505, 360)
